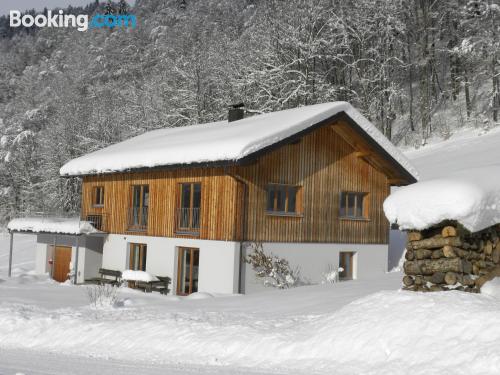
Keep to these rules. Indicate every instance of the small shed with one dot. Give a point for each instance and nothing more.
(67, 248)
(453, 230)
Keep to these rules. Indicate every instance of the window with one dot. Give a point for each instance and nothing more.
(138, 253)
(138, 212)
(188, 211)
(98, 200)
(354, 205)
(189, 261)
(283, 199)
(346, 265)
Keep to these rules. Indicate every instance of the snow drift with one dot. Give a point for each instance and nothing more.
(389, 332)
(220, 141)
(471, 197)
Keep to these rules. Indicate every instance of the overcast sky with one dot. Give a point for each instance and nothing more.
(7, 5)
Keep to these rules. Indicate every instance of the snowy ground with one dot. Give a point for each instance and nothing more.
(359, 327)
(469, 148)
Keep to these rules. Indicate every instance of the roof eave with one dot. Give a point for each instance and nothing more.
(248, 159)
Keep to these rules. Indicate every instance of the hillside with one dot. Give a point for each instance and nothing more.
(468, 148)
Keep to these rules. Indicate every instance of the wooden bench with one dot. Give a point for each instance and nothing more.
(103, 280)
(155, 286)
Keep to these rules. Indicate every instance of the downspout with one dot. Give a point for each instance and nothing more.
(10, 251)
(77, 255)
(243, 222)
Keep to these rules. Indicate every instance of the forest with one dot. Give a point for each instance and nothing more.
(416, 68)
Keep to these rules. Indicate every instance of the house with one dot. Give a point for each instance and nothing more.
(307, 183)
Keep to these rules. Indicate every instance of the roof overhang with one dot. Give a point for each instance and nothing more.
(368, 146)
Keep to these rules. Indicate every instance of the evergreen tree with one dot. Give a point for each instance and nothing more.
(109, 8)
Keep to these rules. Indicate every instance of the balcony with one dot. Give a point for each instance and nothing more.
(98, 221)
(137, 219)
(188, 221)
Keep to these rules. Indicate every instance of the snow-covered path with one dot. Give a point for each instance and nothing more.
(14, 362)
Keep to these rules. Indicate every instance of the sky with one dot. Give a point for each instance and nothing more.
(7, 5)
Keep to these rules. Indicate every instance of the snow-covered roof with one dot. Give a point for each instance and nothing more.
(51, 225)
(220, 141)
(471, 197)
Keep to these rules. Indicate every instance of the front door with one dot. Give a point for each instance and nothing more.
(62, 260)
(189, 262)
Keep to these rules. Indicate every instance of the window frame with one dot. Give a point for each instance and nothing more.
(143, 256)
(180, 270)
(95, 195)
(344, 196)
(298, 200)
(191, 228)
(143, 209)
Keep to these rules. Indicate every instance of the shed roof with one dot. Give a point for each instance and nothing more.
(51, 225)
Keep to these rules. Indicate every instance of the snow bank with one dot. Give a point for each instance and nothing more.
(471, 197)
(385, 333)
(219, 141)
(138, 276)
(492, 288)
(51, 225)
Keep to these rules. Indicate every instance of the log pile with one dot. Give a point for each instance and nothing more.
(448, 257)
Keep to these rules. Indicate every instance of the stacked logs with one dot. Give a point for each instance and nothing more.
(448, 256)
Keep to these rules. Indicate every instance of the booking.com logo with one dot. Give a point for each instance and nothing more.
(80, 21)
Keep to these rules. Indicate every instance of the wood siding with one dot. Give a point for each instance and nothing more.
(323, 163)
(219, 202)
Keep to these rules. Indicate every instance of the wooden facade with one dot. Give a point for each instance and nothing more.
(322, 164)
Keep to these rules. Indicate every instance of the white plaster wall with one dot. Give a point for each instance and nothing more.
(219, 260)
(219, 267)
(313, 259)
(114, 252)
(42, 258)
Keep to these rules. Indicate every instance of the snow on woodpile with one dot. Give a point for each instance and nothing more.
(51, 225)
(471, 197)
(220, 141)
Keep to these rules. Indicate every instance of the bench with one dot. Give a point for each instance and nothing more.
(155, 286)
(103, 280)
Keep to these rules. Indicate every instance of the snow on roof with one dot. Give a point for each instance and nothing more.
(51, 225)
(471, 197)
(220, 141)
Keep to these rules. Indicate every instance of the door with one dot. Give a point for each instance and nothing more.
(346, 262)
(62, 259)
(188, 214)
(139, 210)
(187, 279)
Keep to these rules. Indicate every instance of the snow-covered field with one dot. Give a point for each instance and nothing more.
(469, 148)
(367, 327)
(358, 327)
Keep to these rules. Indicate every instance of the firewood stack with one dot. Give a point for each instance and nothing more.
(448, 257)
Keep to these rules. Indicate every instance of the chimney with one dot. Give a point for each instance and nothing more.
(236, 112)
